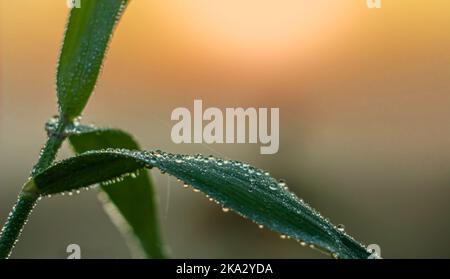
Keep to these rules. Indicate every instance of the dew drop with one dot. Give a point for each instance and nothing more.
(282, 236)
(340, 227)
(261, 226)
(225, 209)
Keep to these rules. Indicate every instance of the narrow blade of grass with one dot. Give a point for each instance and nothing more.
(88, 32)
(134, 199)
(237, 186)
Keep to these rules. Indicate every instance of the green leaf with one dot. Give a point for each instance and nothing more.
(134, 199)
(88, 32)
(248, 191)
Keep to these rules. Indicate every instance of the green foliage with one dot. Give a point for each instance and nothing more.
(87, 35)
(134, 198)
(111, 158)
(248, 191)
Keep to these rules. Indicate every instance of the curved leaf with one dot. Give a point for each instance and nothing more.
(133, 198)
(87, 35)
(248, 191)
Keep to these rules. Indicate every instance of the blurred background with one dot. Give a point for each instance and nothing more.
(364, 117)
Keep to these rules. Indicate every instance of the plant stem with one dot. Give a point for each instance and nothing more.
(54, 142)
(16, 220)
(28, 197)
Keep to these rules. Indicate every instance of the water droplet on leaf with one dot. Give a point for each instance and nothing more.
(340, 227)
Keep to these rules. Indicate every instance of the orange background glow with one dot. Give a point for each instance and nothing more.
(364, 116)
